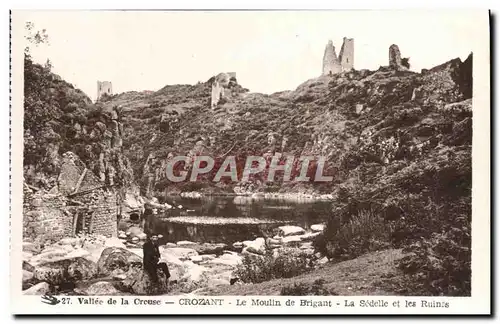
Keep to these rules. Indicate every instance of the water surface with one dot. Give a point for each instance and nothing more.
(232, 219)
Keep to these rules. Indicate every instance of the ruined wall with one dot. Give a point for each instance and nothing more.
(395, 61)
(49, 217)
(221, 87)
(104, 87)
(331, 64)
(346, 56)
(101, 218)
(45, 217)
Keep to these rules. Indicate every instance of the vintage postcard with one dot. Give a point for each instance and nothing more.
(250, 162)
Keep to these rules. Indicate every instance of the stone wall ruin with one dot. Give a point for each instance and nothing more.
(346, 55)
(221, 87)
(104, 88)
(79, 204)
(331, 64)
(344, 62)
(395, 61)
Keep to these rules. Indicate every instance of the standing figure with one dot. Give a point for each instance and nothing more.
(152, 257)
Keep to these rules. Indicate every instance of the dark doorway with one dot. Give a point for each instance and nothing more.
(79, 226)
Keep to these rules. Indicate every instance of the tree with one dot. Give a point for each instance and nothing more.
(34, 37)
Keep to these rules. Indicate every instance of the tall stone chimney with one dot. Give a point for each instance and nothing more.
(331, 64)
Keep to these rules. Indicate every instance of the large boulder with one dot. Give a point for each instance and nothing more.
(229, 259)
(318, 227)
(205, 248)
(257, 246)
(41, 288)
(135, 232)
(115, 260)
(309, 236)
(64, 271)
(180, 252)
(289, 230)
(58, 253)
(31, 247)
(194, 272)
(102, 288)
(27, 279)
(138, 282)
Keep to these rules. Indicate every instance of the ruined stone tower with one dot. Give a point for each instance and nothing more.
(395, 60)
(104, 87)
(346, 55)
(345, 61)
(331, 64)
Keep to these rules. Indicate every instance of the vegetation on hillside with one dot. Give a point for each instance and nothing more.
(398, 144)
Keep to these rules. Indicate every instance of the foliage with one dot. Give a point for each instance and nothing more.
(289, 263)
(365, 232)
(304, 289)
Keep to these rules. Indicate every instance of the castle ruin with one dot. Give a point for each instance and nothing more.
(395, 60)
(220, 87)
(104, 87)
(331, 64)
(345, 61)
(346, 55)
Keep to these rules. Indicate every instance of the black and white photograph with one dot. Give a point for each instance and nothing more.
(324, 157)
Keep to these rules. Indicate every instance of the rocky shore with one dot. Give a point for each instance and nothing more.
(289, 196)
(96, 265)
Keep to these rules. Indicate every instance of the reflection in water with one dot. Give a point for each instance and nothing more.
(231, 219)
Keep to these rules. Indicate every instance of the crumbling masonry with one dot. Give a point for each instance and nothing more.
(82, 204)
(345, 61)
(104, 88)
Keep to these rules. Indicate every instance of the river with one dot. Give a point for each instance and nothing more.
(231, 219)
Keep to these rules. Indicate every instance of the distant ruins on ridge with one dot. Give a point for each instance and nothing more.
(104, 87)
(344, 62)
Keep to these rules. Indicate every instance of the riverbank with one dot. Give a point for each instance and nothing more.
(92, 265)
(294, 197)
(372, 274)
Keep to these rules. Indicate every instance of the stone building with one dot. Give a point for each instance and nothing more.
(104, 87)
(79, 204)
(344, 62)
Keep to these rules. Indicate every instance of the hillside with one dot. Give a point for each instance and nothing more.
(371, 274)
(345, 118)
(398, 145)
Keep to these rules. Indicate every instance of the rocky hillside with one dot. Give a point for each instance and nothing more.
(59, 118)
(398, 145)
(362, 119)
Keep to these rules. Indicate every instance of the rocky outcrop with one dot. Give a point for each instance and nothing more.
(65, 271)
(102, 288)
(41, 288)
(138, 282)
(114, 261)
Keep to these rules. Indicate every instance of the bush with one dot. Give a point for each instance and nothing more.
(303, 289)
(366, 231)
(289, 263)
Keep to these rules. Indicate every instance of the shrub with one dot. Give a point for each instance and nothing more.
(304, 289)
(289, 263)
(366, 231)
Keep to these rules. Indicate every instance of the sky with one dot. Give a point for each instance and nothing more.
(269, 50)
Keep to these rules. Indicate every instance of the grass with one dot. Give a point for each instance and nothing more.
(370, 274)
